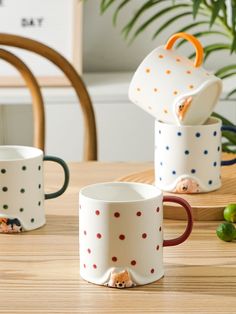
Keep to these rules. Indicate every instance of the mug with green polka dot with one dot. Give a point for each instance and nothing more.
(188, 157)
(22, 188)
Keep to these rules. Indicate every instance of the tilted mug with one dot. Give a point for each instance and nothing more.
(172, 88)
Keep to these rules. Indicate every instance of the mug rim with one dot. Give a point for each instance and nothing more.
(209, 123)
(33, 152)
(154, 190)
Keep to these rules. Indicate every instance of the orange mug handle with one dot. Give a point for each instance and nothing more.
(193, 40)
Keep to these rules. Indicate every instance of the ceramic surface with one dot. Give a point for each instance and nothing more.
(174, 89)
(22, 188)
(121, 234)
(188, 158)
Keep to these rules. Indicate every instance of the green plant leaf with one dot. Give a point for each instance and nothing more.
(228, 148)
(230, 136)
(233, 21)
(217, 5)
(192, 25)
(156, 16)
(128, 27)
(105, 4)
(172, 20)
(196, 5)
(117, 11)
(233, 46)
(227, 75)
(223, 119)
(225, 69)
(231, 93)
(208, 50)
(202, 34)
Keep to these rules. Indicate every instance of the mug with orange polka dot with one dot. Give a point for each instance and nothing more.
(22, 188)
(188, 157)
(121, 233)
(173, 88)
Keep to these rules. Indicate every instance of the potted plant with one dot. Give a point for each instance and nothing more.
(214, 17)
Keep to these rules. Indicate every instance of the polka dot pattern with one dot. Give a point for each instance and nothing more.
(122, 237)
(24, 190)
(93, 247)
(192, 155)
(144, 235)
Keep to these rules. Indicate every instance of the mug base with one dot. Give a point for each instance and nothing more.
(14, 226)
(126, 285)
(188, 185)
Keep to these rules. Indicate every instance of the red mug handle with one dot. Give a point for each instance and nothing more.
(188, 230)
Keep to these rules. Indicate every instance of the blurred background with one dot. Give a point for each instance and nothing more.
(125, 132)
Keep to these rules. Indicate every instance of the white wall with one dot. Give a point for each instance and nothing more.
(125, 132)
(106, 50)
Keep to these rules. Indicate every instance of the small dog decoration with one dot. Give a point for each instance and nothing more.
(182, 107)
(120, 279)
(8, 225)
(187, 185)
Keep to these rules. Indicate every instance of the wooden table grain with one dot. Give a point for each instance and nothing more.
(39, 270)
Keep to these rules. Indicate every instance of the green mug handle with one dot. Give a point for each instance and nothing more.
(66, 173)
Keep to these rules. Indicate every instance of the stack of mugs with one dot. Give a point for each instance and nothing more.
(181, 95)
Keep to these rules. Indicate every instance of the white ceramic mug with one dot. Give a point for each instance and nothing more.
(22, 188)
(188, 158)
(172, 88)
(121, 233)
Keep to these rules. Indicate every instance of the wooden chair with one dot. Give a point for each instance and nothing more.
(90, 135)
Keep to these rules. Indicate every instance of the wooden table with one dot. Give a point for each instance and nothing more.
(39, 270)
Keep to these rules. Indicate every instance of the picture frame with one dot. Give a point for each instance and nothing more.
(36, 19)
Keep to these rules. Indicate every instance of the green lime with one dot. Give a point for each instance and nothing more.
(226, 231)
(230, 213)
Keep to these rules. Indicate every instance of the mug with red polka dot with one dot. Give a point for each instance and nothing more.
(121, 233)
(174, 89)
(22, 188)
(188, 157)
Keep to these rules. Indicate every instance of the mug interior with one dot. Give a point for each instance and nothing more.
(120, 192)
(210, 122)
(198, 112)
(14, 153)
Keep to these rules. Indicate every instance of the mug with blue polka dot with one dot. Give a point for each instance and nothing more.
(188, 158)
(22, 188)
